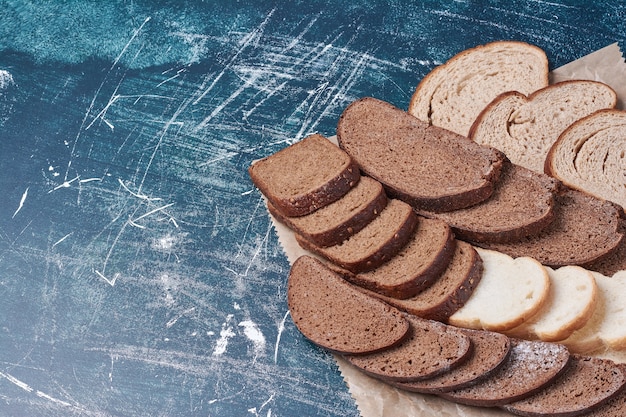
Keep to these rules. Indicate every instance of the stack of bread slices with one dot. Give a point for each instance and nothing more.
(442, 264)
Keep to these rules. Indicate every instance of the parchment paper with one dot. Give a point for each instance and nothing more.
(376, 399)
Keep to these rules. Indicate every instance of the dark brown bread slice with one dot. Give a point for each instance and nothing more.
(614, 407)
(616, 261)
(490, 351)
(334, 315)
(337, 221)
(416, 267)
(429, 167)
(449, 292)
(375, 244)
(432, 348)
(521, 205)
(585, 229)
(531, 366)
(305, 176)
(585, 385)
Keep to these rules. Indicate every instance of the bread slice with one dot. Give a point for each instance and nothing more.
(584, 386)
(305, 176)
(612, 330)
(614, 407)
(449, 292)
(589, 156)
(490, 351)
(530, 367)
(614, 262)
(334, 315)
(337, 221)
(424, 258)
(570, 304)
(431, 349)
(586, 340)
(375, 244)
(521, 205)
(525, 127)
(428, 167)
(453, 94)
(509, 293)
(584, 230)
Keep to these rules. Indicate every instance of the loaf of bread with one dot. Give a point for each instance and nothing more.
(589, 156)
(453, 94)
(525, 127)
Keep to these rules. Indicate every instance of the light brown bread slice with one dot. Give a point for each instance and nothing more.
(431, 349)
(614, 407)
(453, 94)
(589, 156)
(521, 205)
(510, 292)
(428, 167)
(337, 221)
(305, 176)
(373, 245)
(584, 230)
(524, 128)
(424, 258)
(584, 386)
(333, 314)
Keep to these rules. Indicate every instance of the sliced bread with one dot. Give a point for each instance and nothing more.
(424, 258)
(614, 407)
(584, 230)
(525, 127)
(584, 386)
(428, 167)
(337, 221)
(453, 94)
(431, 349)
(373, 245)
(509, 293)
(612, 330)
(521, 205)
(334, 315)
(589, 156)
(305, 176)
(616, 261)
(586, 340)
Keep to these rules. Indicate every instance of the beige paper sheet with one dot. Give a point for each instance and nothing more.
(376, 399)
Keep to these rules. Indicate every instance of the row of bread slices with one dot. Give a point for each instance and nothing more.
(474, 367)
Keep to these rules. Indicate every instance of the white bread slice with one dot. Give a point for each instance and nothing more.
(525, 127)
(453, 94)
(569, 306)
(589, 156)
(586, 340)
(510, 292)
(612, 330)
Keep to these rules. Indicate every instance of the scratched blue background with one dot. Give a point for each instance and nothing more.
(139, 273)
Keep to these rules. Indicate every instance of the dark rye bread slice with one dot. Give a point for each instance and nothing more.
(585, 229)
(616, 261)
(334, 315)
(615, 406)
(428, 167)
(449, 292)
(305, 176)
(586, 384)
(337, 221)
(490, 351)
(373, 245)
(431, 349)
(521, 205)
(531, 366)
(416, 267)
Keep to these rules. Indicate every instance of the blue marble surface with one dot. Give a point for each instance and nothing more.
(139, 272)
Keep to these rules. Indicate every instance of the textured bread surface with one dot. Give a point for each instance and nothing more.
(305, 176)
(453, 94)
(525, 127)
(509, 293)
(585, 229)
(490, 351)
(590, 156)
(521, 205)
(585, 385)
(530, 367)
(430, 168)
(332, 314)
(431, 349)
(334, 223)
(614, 407)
